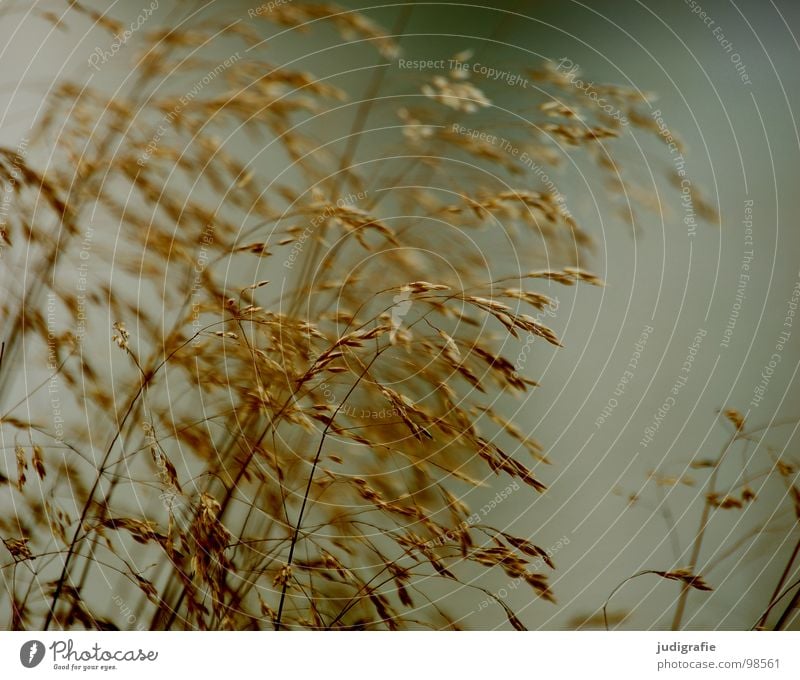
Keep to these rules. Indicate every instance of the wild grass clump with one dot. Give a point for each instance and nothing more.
(258, 362)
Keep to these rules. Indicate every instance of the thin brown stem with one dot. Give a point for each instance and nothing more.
(701, 532)
(298, 526)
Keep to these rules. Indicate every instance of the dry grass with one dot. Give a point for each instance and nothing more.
(238, 453)
(732, 485)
